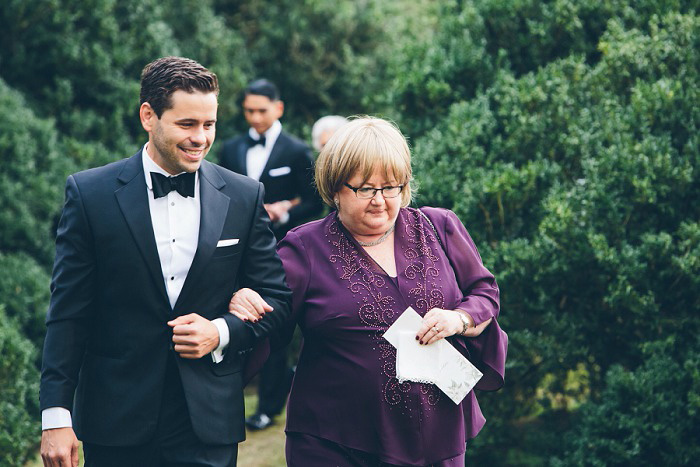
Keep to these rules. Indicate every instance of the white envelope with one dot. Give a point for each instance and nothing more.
(456, 375)
(415, 362)
(438, 363)
(229, 242)
(279, 171)
(408, 321)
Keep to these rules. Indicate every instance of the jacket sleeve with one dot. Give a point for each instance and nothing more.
(480, 298)
(72, 296)
(298, 270)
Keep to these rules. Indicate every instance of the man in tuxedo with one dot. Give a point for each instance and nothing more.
(141, 357)
(283, 164)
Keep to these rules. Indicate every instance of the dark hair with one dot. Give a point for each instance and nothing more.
(263, 87)
(162, 77)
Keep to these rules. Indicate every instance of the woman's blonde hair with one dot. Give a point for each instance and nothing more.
(362, 146)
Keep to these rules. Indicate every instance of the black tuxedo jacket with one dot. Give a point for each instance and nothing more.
(288, 174)
(107, 340)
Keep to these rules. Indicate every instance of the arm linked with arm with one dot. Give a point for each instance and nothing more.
(261, 270)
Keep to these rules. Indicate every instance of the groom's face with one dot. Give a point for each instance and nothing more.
(182, 136)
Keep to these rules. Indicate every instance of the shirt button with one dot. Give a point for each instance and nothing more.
(172, 204)
(172, 278)
(173, 240)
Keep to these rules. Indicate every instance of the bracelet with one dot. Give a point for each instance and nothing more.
(465, 323)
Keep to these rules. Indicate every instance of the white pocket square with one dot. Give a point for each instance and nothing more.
(279, 171)
(229, 242)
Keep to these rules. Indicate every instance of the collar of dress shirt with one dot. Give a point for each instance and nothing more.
(149, 165)
(271, 134)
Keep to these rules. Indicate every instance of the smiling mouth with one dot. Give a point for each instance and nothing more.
(192, 152)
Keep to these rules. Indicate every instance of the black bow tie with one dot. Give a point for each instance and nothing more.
(252, 142)
(183, 184)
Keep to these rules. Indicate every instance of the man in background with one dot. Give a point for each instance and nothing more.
(284, 165)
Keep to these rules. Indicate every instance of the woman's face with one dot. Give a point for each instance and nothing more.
(372, 216)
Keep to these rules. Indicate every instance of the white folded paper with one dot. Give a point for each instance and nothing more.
(438, 363)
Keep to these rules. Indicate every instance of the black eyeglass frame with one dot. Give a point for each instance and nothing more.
(400, 187)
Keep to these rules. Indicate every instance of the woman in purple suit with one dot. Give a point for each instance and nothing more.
(352, 274)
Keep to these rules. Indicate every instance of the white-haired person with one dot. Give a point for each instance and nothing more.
(324, 128)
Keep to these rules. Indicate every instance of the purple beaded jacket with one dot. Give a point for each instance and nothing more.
(345, 388)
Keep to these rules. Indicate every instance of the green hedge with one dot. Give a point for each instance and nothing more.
(24, 294)
(579, 182)
(32, 177)
(19, 390)
(646, 417)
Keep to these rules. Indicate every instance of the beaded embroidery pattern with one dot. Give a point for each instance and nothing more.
(377, 309)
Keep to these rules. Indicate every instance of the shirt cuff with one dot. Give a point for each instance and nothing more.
(56, 417)
(218, 354)
(284, 218)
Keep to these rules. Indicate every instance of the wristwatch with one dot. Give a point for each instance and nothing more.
(465, 323)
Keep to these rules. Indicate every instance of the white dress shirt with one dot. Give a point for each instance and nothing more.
(175, 221)
(258, 155)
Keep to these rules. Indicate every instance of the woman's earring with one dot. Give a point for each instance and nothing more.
(337, 203)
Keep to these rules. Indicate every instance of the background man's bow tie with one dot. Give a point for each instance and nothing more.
(183, 184)
(252, 142)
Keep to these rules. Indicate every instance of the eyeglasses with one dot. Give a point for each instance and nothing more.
(369, 193)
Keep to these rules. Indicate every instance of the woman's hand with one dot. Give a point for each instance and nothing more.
(248, 305)
(438, 324)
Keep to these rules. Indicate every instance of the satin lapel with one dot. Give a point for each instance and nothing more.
(214, 208)
(133, 202)
(276, 153)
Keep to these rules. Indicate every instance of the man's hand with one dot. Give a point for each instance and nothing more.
(194, 336)
(279, 209)
(59, 447)
(272, 211)
(248, 305)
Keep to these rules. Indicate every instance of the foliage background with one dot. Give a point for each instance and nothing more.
(563, 133)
